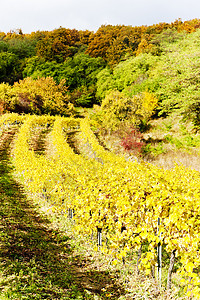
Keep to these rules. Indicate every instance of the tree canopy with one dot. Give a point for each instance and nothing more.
(162, 59)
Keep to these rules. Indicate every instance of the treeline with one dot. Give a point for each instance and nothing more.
(90, 64)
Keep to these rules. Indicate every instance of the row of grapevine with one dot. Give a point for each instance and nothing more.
(182, 215)
(123, 199)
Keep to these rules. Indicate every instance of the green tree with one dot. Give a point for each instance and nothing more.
(105, 83)
(132, 76)
(22, 47)
(9, 67)
(79, 72)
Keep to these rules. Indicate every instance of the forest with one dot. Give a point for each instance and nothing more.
(51, 72)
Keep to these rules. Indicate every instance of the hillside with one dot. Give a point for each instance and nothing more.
(162, 58)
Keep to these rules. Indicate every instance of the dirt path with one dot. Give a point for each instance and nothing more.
(36, 260)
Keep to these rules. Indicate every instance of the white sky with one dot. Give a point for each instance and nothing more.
(33, 15)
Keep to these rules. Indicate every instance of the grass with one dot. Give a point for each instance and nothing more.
(176, 141)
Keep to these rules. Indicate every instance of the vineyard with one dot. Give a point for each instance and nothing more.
(130, 206)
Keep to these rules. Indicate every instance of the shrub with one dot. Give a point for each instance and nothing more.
(132, 141)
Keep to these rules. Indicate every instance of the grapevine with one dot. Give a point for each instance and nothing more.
(124, 199)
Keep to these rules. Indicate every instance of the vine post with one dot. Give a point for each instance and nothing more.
(159, 252)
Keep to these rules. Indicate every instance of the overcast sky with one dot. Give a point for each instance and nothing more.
(33, 15)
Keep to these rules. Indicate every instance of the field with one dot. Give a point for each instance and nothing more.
(60, 189)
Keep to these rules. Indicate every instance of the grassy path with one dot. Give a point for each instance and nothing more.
(36, 260)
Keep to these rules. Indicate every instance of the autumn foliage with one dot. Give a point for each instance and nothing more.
(131, 60)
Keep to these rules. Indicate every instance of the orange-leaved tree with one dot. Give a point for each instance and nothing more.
(58, 44)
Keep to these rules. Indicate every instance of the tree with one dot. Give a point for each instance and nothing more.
(105, 83)
(41, 96)
(22, 47)
(114, 43)
(117, 109)
(79, 72)
(131, 76)
(58, 44)
(101, 41)
(9, 67)
(8, 98)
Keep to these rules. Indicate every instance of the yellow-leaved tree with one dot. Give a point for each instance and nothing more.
(8, 99)
(117, 108)
(41, 96)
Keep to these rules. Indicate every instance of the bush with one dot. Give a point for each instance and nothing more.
(132, 141)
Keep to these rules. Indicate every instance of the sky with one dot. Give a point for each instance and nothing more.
(33, 15)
